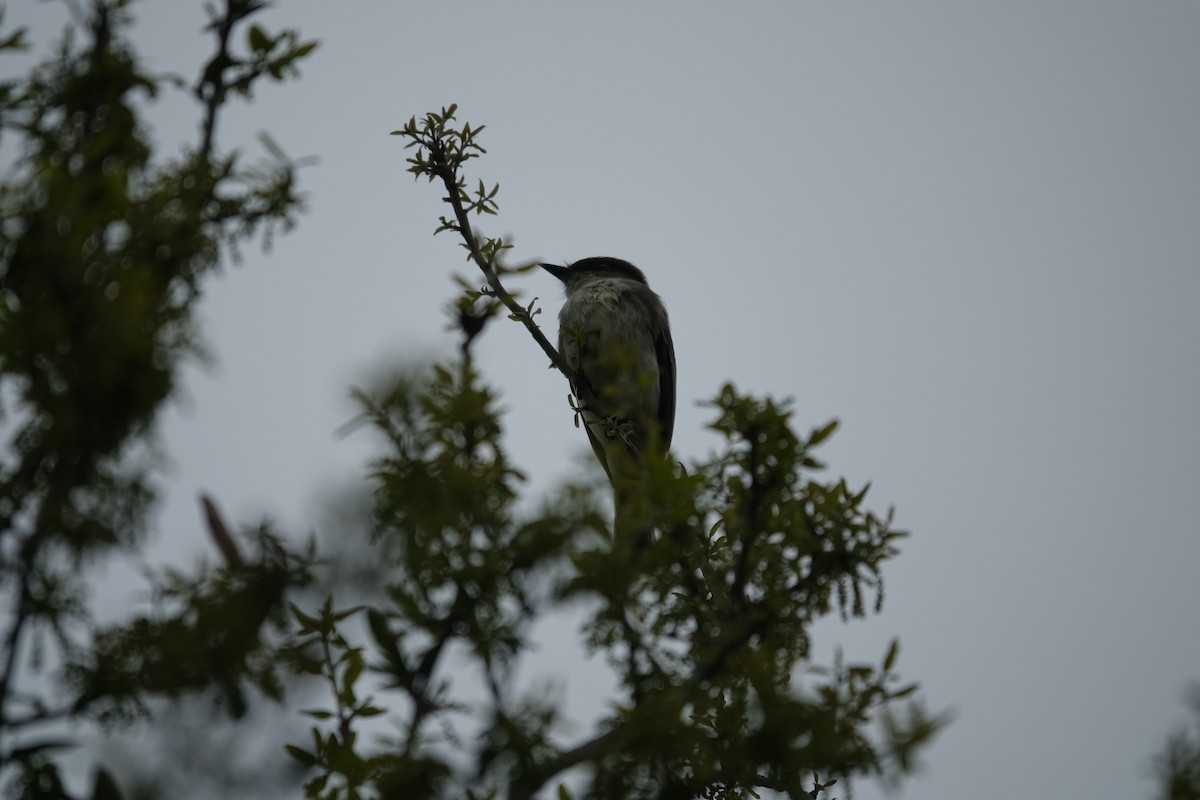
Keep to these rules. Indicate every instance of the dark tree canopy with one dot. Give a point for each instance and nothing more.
(104, 250)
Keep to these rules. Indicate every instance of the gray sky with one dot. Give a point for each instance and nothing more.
(970, 231)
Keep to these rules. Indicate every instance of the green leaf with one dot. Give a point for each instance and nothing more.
(890, 659)
(258, 39)
(354, 669)
(307, 623)
(317, 713)
(347, 612)
(305, 49)
(821, 434)
(303, 756)
(105, 787)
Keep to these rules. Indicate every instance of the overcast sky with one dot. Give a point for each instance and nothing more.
(969, 231)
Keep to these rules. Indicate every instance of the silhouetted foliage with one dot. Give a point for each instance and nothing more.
(1177, 765)
(104, 250)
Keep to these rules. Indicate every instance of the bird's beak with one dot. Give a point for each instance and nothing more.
(556, 271)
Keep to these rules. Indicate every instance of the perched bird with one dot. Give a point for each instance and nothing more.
(615, 334)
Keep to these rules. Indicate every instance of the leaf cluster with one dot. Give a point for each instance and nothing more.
(706, 625)
(104, 251)
(469, 572)
(441, 150)
(1176, 767)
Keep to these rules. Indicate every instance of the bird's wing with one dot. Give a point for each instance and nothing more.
(665, 349)
(597, 447)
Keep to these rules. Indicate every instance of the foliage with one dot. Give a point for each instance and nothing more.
(706, 627)
(1177, 766)
(104, 251)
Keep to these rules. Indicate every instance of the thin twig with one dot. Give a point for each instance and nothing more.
(212, 87)
(449, 178)
(11, 646)
(440, 165)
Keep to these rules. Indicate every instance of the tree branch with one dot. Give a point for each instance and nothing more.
(447, 173)
(441, 166)
(12, 641)
(211, 87)
(11, 646)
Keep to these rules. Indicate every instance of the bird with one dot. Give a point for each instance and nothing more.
(615, 335)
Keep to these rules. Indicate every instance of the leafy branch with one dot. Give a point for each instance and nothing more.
(441, 151)
(103, 254)
(340, 665)
(276, 56)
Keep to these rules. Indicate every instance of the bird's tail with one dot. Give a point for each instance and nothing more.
(633, 520)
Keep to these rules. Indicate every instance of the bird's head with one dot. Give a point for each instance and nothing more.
(598, 268)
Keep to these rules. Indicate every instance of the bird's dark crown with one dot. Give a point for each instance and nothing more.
(598, 265)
